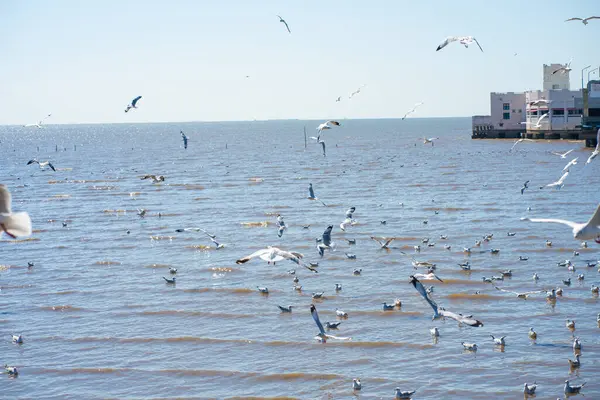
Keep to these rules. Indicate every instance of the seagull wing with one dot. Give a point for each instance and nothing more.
(574, 19)
(134, 101)
(541, 118)
(292, 256)
(5, 200)
(253, 255)
(588, 18)
(286, 25)
(315, 315)
(562, 178)
(51, 166)
(323, 144)
(594, 221)
(377, 240)
(571, 224)
(468, 320)
(448, 40)
(421, 289)
(387, 242)
(478, 44)
(507, 291)
(516, 143)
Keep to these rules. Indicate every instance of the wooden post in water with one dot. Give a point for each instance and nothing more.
(304, 137)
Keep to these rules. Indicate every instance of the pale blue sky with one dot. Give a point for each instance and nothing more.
(85, 60)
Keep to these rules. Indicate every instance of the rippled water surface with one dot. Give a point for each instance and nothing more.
(99, 321)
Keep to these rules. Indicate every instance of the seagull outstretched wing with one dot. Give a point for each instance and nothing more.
(423, 292)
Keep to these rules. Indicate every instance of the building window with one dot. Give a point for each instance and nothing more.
(555, 87)
(520, 110)
(543, 112)
(534, 112)
(506, 106)
(506, 115)
(594, 112)
(514, 111)
(558, 112)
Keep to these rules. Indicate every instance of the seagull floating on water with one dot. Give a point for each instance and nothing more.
(155, 178)
(356, 385)
(12, 371)
(532, 334)
(404, 394)
(13, 224)
(170, 280)
(529, 390)
(287, 309)
(17, 339)
(498, 341)
(469, 346)
(573, 389)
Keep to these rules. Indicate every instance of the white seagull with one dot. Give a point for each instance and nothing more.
(596, 150)
(564, 69)
(285, 23)
(429, 140)
(562, 155)
(520, 141)
(584, 20)
(13, 224)
(39, 124)
(322, 336)
(412, 110)
(311, 194)
(520, 295)
(570, 164)
(587, 231)
(537, 125)
(529, 390)
(273, 254)
(464, 40)
(385, 242)
(17, 339)
(559, 183)
(326, 125)
(357, 91)
(133, 104)
(325, 242)
(41, 164)
(404, 394)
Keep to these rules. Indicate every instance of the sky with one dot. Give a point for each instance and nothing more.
(83, 61)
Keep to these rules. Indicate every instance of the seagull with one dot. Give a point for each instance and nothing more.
(586, 231)
(39, 124)
(576, 342)
(566, 68)
(42, 164)
(562, 155)
(263, 290)
(570, 164)
(351, 241)
(357, 91)
(428, 277)
(287, 309)
(351, 256)
(532, 334)
(285, 23)
(322, 336)
(185, 140)
(155, 178)
(520, 295)
(464, 40)
(332, 325)
(525, 186)
(571, 325)
(551, 295)
(529, 390)
(440, 312)
(17, 339)
(523, 258)
(322, 143)
(170, 280)
(576, 363)
(196, 230)
(387, 307)
(280, 225)
(559, 183)
(273, 254)
(498, 341)
(595, 289)
(172, 270)
(540, 119)
(311, 194)
(325, 242)
(340, 313)
(13, 224)
(356, 385)
(520, 141)
(318, 295)
(133, 104)
(404, 394)
(573, 389)
(338, 99)
(429, 140)
(469, 346)
(141, 212)
(539, 101)
(11, 370)
(326, 125)
(338, 287)
(383, 243)
(584, 20)
(412, 110)
(357, 271)
(435, 332)
(596, 150)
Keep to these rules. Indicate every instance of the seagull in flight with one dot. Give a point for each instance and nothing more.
(520, 295)
(326, 125)
(540, 101)
(427, 277)
(155, 178)
(596, 150)
(311, 194)
(584, 20)
(464, 40)
(357, 91)
(564, 69)
(440, 312)
(586, 231)
(570, 164)
(412, 110)
(384, 243)
(133, 104)
(285, 23)
(338, 99)
(13, 224)
(322, 336)
(429, 140)
(525, 186)
(562, 155)
(42, 164)
(325, 242)
(559, 183)
(39, 124)
(322, 143)
(185, 140)
(520, 141)
(196, 230)
(273, 254)
(537, 124)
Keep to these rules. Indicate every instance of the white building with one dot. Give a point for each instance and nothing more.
(563, 106)
(556, 80)
(507, 110)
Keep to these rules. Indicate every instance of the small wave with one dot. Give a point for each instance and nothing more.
(372, 345)
(457, 296)
(102, 187)
(198, 247)
(262, 224)
(157, 266)
(223, 290)
(162, 237)
(195, 314)
(188, 186)
(64, 308)
(107, 262)
(30, 239)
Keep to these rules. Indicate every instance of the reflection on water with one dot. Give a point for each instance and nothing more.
(96, 314)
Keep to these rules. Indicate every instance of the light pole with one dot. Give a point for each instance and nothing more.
(589, 66)
(594, 70)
